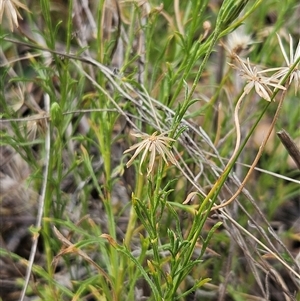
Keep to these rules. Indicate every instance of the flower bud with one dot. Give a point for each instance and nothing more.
(56, 114)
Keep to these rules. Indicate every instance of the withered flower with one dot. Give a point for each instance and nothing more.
(10, 7)
(152, 144)
(257, 79)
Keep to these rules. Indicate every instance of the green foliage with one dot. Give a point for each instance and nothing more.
(95, 75)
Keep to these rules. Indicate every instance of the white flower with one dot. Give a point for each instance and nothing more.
(10, 7)
(255, 79)
(290, 61)
(153, 144)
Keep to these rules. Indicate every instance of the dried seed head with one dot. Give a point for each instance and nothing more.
(36, 124)
(238, 42)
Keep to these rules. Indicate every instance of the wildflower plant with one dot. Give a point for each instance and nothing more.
(111, 231)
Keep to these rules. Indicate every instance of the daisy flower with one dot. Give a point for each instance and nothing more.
(255, 79)
(152, 144)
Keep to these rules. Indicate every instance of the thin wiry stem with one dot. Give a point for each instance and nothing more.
(47, 116)
(178, 17)
(237, 128)
(41, 203)
(227, 216)
(263, 144)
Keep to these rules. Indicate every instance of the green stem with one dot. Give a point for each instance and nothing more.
(132, 214)
(154, 203)
(208, 202)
